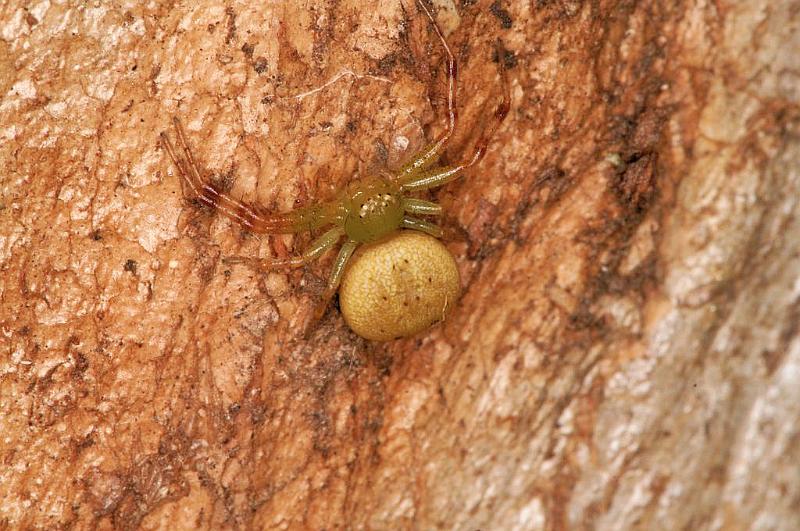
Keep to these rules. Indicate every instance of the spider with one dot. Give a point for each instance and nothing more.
(368, 209)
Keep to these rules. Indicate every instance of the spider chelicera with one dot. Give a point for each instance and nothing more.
(368, 209)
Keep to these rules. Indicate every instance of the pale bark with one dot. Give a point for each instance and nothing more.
(626, 353)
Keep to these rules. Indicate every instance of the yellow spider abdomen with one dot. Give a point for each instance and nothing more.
(398, 286)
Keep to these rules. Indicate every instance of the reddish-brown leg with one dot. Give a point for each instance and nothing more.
(431, 178)
(431, 153)
(302, 219)
(500, 112)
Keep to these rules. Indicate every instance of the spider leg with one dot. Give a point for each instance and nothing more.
(423, 180)
(431, 153)
(421, 207)
(422, 226)
(317, 248)
(432, 178)
(500, 112)
(334, 279)
(250, 217)
(418, 177)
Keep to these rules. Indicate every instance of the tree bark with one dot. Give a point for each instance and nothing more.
(626, 351)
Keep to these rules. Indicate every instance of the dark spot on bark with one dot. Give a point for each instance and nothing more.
(81, 364)
(635, 183)
(381, 153)
(502, 15)
(509, 59)
(96, 235)
(247, 49)
(386, 63)
(231, 25)
(130, 266)
(84, 443)
(260, 65)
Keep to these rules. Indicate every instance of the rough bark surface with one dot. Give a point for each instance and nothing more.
(626, 353)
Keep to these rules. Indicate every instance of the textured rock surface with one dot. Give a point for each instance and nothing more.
(626, 353)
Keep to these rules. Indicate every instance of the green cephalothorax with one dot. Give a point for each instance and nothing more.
(375, 209)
